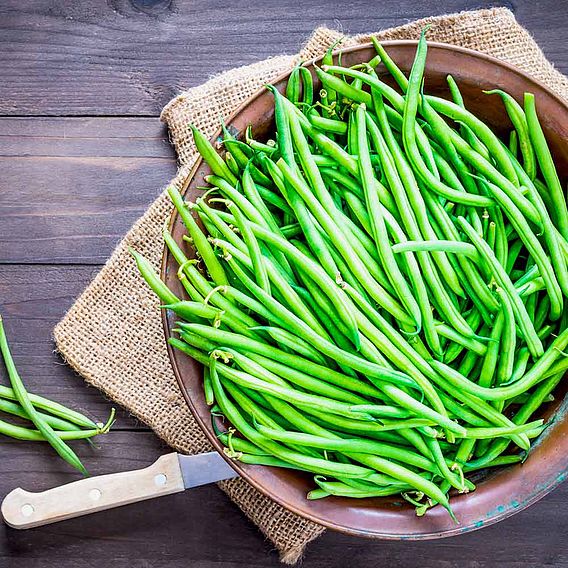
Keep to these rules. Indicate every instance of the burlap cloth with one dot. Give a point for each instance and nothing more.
(113, 334)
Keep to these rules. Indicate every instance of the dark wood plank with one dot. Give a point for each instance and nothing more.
(77, 184)
(32, 300)
(201, 527)
(130, 57)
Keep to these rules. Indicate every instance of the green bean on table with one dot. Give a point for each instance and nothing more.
(55, 425)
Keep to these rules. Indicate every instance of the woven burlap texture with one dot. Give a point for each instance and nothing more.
(113, 334)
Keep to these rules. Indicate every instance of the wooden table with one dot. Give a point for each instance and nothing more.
(82, 154)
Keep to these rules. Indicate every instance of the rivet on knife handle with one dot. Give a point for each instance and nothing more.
(22, 509)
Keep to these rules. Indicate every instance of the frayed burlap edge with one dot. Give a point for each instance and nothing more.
(113, 335)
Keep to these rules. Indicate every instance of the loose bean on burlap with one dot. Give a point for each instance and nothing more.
(113, 334)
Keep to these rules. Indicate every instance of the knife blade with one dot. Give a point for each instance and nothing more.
(202, 469)
(171, 473)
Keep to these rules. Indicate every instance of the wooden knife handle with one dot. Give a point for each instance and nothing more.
(23, 510)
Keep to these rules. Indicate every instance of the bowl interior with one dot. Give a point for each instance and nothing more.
(499, 493)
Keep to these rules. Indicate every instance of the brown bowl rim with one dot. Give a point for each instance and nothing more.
(498, 515)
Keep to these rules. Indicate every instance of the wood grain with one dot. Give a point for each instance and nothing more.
(73, 187)
(125, 57)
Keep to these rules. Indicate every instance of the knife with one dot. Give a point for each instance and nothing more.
(169, 474)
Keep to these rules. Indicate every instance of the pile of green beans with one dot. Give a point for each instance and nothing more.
(52, 422)
(377, 294)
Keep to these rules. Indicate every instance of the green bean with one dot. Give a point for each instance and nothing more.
(56, 423)
(250, 365)
(207, 387)
(507, 344)
(342, 244)
(282, 129)
(535, 249)
(239, 444)
(491, 359)
(258, 265)
(350, 445)
(192, 310)
(21, 433)
(513, 143)
(466, 131)
(469, 342)
(249, 401)
(386, 91)
(152, 279)
(422, 225)
(314, 464)
(490, 433)
(449, 382)
(313, 297)
(484, 133)
(215, 162)
(521, 316)
(293, 85)
(390, 65)
(309, 229)
(328, 60)
(200, 241)
(53, 408)
(378, 224)
(328, 124)
(409, 135)
(544, 158)
(380, 464)
(552, 239)
(544, 193)
(316, 273)
(443, 301)
(517, 116)
(274, 199)
(44, 429)
(531, 378)
(486, 168)
(307, 86)
(478, 290)
(462, 411)
(473, 318)
(270, 461)
(443, 468)
(294, 343)
(411, 267)
(519, 365)
(250, 190)
(514, 252)
(441, 131)
(232, 164)
(352, 185)
(469, 363)
(300, 363)
(232, 194)
(522, 415)
(456, 247)
(342, 489)
(287, 291)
